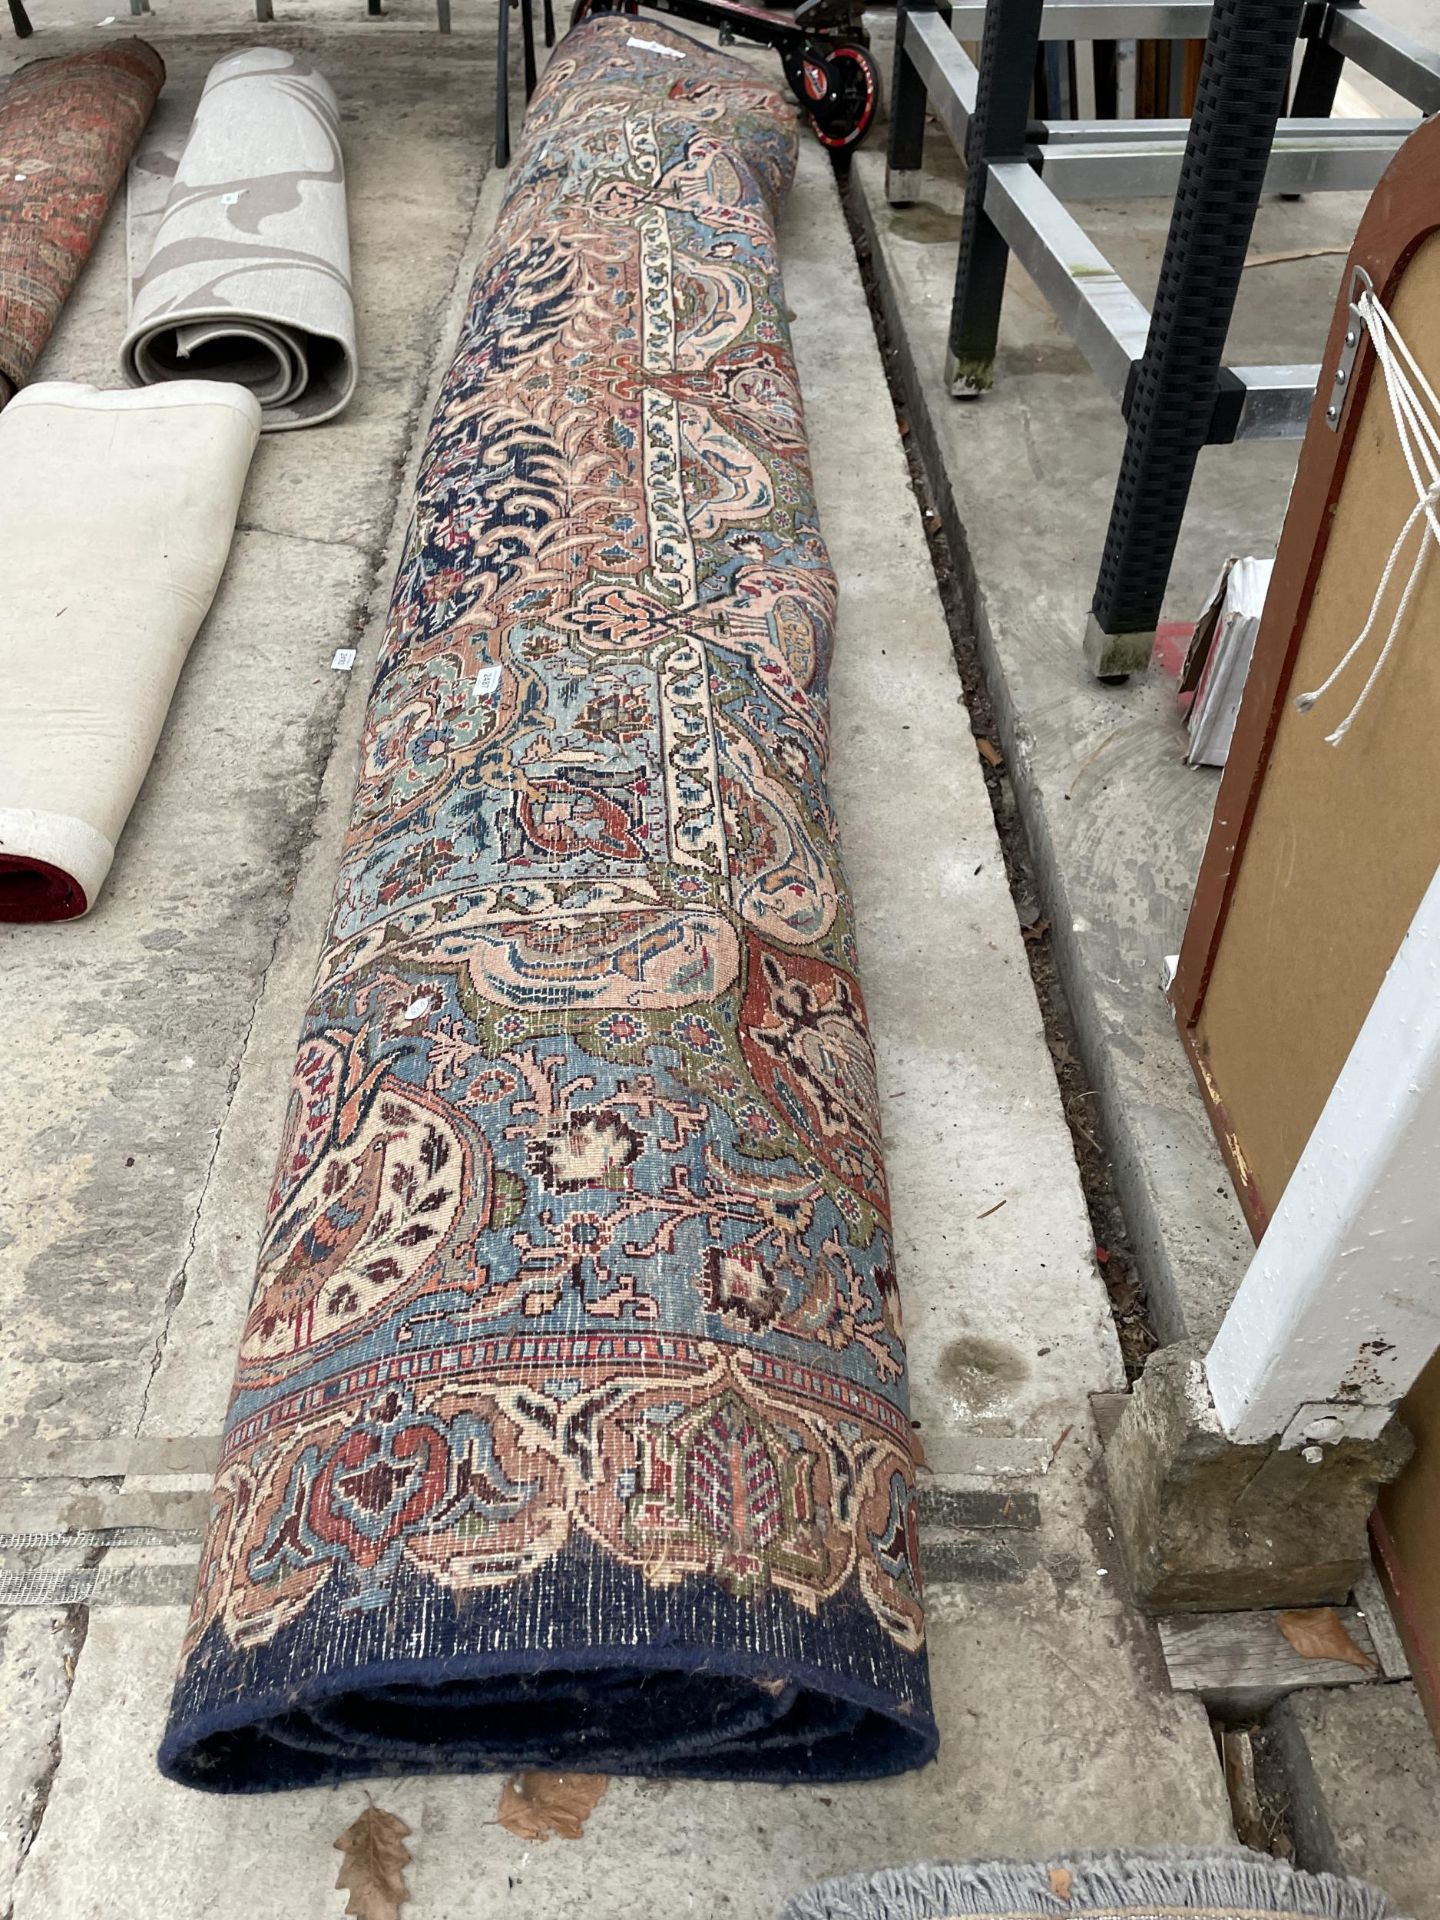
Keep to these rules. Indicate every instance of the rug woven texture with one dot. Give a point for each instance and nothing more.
(67, 128)
(570, 1426)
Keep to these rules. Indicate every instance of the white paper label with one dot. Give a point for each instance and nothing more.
(654, 46)
(486, 681)
(344, 659)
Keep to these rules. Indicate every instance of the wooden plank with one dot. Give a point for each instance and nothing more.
(1244, 1660)
(1384, 1634)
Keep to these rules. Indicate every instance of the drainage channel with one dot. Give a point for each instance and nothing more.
(1114, 1253)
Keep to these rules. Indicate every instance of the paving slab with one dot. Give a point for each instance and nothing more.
(125, 1031)
(1058, 1726)
(1057, 1734)
(1365, 1776)
(37, 1661)
(1116, 821)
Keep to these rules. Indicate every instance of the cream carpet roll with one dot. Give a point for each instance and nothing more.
(103, 586)
(240, 253)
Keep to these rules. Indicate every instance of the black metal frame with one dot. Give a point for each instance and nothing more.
(502, 64)
(1163, 366)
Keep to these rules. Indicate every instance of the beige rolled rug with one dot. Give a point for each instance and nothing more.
(95, 626)
(239, 245)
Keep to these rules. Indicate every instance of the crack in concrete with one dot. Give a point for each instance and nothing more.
(370, 555)
(76, 1624)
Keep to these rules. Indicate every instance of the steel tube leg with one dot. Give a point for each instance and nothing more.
(527, 41)
(549, 23)
(1317, 81)
(1172, 398)
(905, 154)
(502, 86)
(997, 132)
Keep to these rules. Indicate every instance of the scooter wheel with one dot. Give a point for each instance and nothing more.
(583, 9)
(841, 95)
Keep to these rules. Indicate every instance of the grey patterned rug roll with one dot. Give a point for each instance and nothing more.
(1157, 1883)
(239, 250)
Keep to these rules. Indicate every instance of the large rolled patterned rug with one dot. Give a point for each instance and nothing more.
(570, 1427)
(67, 128)
(240, 244)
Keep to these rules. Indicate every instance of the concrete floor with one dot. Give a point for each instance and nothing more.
(1115, 819)
(148, 1050)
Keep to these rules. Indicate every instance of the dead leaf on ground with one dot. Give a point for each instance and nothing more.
(376, 1857)
(535, 1805)
(988, 751)
(1060, 1882)
(1318, 1633)
(1036, 930)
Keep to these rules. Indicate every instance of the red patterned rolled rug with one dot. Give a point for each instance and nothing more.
(67, 129)
(570, 1425)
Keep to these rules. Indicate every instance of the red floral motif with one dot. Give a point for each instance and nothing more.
(804, 1037)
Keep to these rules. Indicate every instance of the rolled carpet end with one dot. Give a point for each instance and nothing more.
(102, 590)
(52, 865)
(67, 128)
(240, 251)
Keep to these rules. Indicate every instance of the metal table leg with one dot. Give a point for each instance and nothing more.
(1172, 397)
(1317, 81)
(527, 39)
(502, 86)
(997, 132)
(905, 156)
(20, 20)
(549, 23)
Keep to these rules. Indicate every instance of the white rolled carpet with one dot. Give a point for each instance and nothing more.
(239, 247)
(103, 586)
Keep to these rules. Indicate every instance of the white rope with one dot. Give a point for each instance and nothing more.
(1416, 413)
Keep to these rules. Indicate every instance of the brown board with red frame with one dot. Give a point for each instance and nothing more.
(1319, 855)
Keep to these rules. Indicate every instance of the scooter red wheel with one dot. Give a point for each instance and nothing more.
(841, 94)
(583, 9)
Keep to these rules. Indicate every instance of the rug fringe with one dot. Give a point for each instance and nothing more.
(1138, 1879)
